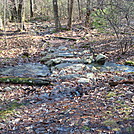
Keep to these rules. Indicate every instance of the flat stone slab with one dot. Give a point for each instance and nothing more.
(26, 70)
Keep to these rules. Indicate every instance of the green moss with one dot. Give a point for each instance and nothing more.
(116, 129)
(110, 123)
(111, 94)
(86, 127)
(10, 109)
(131, 63)
(130, 129)
(119, 102)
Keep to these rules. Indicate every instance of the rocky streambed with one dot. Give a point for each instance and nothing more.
(80, 100)
(64, 63)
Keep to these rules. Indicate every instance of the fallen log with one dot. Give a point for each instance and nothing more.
(22, 80)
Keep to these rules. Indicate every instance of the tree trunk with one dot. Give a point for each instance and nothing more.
(20, 5)
(56, 16)
(79, 9)
(70, 10)
(31, 8)
(88, 13)
(13, 11)
(1, 24)
(34, 5)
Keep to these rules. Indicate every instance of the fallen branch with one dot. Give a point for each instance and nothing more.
(66, 38)
(115, 83)
(27, 81)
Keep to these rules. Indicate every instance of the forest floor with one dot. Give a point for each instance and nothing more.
(103, 109)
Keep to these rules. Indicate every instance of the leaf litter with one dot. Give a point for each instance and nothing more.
(65, 106)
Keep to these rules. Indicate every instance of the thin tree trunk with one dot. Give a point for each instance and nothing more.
(20, 5)
(31, 8)
(79, 9)
(88, 13)
(1, 23)
(70, 10)
(34, 5)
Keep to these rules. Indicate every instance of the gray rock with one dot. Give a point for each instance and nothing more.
(51, 50)
(66, 54)
(43, 53)
(76, 67)
(53, 62)
(70, 76)
(40, 130)
(2, 125)
(6, 89)
(71, 68)
(86, 51)
(62, 48)
(117, 78)
(100, 59)
(27, 70)
(83, 80)
(62, 65)
(87, 61)
(72, 60)
(90, 75)
(48, 57)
